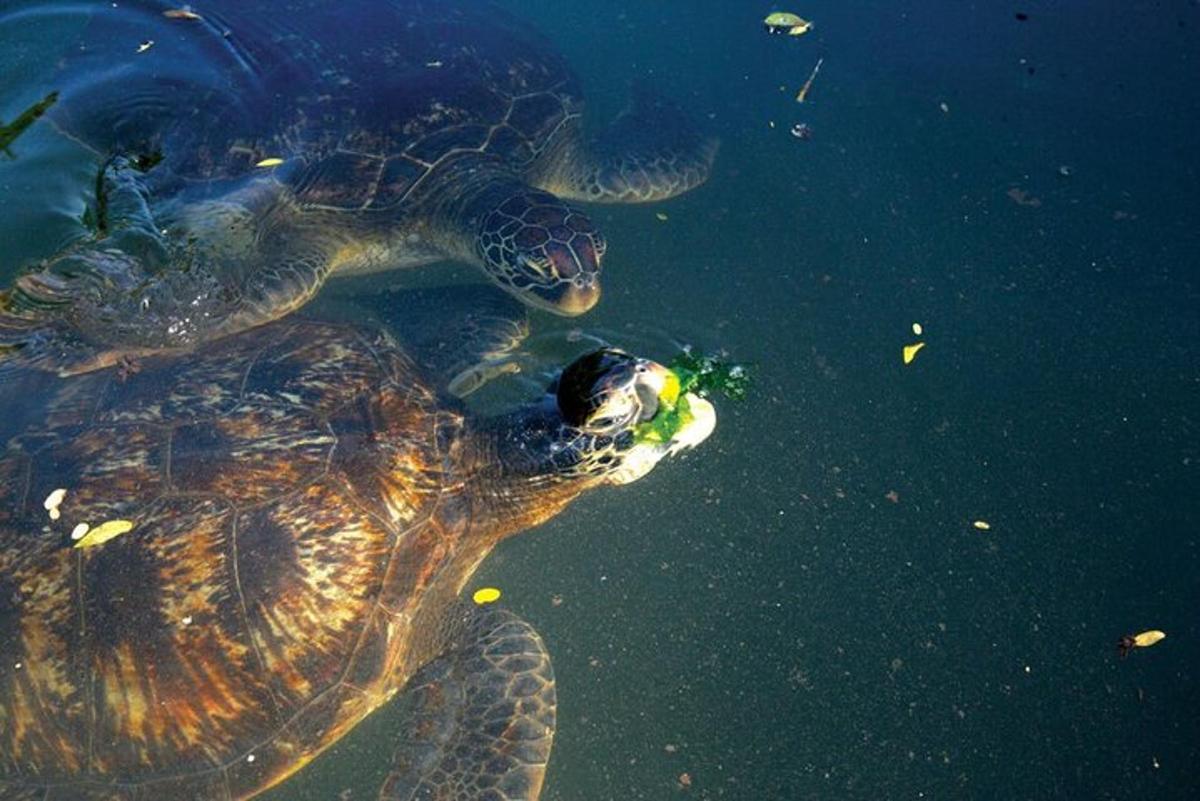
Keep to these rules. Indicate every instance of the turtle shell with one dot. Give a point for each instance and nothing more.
(281, 487)
(359, 99)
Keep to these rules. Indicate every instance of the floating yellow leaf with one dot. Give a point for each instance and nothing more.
(1148, 638)
(486, 595)
(104, 532)
(783, 21)
(910, 351)
(982, 525)
(1143, 640)
(271, 162)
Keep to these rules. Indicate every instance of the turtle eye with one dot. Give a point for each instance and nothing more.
(587, 386)
(530, 264)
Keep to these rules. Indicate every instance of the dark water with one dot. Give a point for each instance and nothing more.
(802, 608)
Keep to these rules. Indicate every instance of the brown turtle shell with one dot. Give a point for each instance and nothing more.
(360, 101)
(290, 502)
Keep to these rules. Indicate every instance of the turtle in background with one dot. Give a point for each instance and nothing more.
(248, 151)
(292, 515)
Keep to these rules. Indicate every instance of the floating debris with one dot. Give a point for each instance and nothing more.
(802, 130)
(982, 525)
(181, 13)
(944, 107)
(104, 532)
(917, 329)
(910, 351)
(78, 532)
(785, 22)
(146, 45)
(661, 216)
(1023, 198)
(1143, 640)
(433, 64)
(53, 501)
(486, 595)
(10, 132)
(803, 93)
(273, 161)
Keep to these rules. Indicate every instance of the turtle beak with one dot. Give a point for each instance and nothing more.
(652, 387)
(579, 296)
(701, 426)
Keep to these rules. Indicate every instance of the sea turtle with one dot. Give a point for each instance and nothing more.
(297, 510)
(246, 151)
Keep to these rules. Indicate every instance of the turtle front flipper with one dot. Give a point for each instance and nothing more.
(48, 316)
(461, 336)
(652, 151)
(139, 285)
(481, 717)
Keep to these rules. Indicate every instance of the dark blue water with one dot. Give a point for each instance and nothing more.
(802, 608)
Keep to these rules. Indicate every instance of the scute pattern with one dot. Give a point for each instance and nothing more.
(266, 478)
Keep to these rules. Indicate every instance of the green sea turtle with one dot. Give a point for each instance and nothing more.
(247, 151)
(292, 514)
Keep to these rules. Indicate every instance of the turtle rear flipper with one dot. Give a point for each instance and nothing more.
(652, 151)
(482, 717)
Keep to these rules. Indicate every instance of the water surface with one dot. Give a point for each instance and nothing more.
(802, 608)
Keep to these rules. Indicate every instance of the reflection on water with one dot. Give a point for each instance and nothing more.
(801, 607)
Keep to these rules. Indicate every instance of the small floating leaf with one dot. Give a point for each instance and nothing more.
(146, 45)
(910, 351)
(78, 532)
(982, 525)
(661, 216)
(104, 532)
(486, 595)
(917, 329)
(181, 13)
(1148, 638)
(54, 499)
(271, 162)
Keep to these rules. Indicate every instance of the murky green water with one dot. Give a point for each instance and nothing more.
(802, 608)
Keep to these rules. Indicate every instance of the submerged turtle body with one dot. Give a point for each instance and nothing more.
(306, 506)
(257, 149)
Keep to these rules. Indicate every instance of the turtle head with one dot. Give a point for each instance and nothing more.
(542, 251)
(612, 406)
(608, 418)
